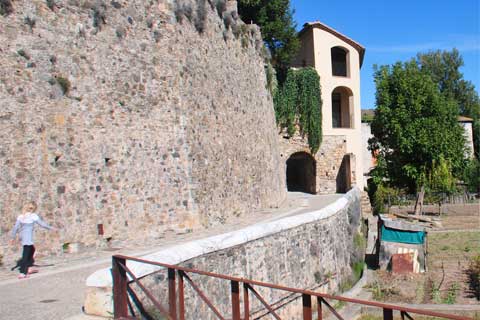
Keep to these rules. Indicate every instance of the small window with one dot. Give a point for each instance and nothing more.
(339, 62)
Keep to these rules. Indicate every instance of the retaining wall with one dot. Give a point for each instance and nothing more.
(302, 251)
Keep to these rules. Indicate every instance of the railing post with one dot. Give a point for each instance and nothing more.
(181, 296)
(246, 302)
(319, 308)
(172, 296)
(307, 307)
(387, 314)
(235, 300)
(120, 298)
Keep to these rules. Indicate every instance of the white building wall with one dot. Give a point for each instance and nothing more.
(468, 132)
(367, 159)
(323, 42)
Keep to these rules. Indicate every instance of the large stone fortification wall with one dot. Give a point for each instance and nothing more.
(314, 250)
(141, 116)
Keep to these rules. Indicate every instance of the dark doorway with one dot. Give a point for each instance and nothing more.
(301, 173)
(344, 175)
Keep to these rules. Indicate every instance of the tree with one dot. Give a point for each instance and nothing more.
(414, 125)
(444, 69)
(471, 176)
(278, 29)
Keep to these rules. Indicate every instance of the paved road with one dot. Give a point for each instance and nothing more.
(53, 295)
(57, 292)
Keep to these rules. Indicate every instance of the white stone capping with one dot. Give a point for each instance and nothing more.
(186, 251)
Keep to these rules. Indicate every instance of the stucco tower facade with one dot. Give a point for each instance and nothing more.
(338, 60)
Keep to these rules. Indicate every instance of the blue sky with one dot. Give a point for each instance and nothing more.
(396, 30)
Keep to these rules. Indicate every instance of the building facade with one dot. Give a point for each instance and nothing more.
(338, 60)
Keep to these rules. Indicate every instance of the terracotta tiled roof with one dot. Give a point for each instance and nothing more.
(320, 25)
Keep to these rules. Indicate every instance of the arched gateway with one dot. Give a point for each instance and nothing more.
(301, 173)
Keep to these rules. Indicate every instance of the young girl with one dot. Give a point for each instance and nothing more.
(25, 227)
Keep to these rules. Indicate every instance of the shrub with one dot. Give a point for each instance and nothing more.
(6, 7)
(451, 295)
(439, 178)
(359, 241)
(381, 291)
(471, 176)
(384, 195)
(271, 78)
(357, 270)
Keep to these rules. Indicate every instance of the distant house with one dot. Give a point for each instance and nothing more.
(338, 164)
(369, 160)
(467, 124)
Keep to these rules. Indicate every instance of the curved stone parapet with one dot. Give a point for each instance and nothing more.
(322, 241)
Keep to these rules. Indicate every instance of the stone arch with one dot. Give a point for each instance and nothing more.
(340, 57)
(301, 172)
(342, 108)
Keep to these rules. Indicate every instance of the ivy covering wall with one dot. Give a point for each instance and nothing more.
(298, 105)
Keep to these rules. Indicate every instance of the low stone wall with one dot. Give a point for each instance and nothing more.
(302, 251)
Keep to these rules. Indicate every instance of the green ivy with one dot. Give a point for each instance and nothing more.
(298, 103)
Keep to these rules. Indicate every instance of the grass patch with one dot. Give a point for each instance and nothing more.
(450, 246)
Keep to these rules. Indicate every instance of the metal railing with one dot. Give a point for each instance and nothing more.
(177, 276)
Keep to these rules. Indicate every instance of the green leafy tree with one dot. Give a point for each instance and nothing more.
(414, 125)
(298, 103)
(444, 69)
(278, 29)
(471, 175)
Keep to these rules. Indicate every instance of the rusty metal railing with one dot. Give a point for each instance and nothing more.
(177, 276)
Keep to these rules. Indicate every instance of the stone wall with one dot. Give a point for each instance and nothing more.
(139, 116)
(314, 250)
(328, 158)
(307, 256)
